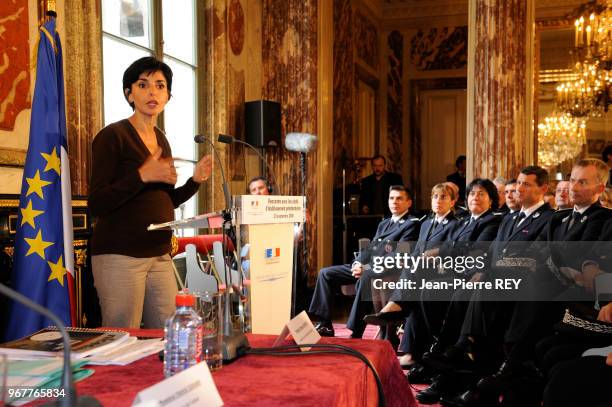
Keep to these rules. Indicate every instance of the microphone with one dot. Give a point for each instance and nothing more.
(300, 142)
(221, 138)
(71, 398)
(203, 139)
(225, 139)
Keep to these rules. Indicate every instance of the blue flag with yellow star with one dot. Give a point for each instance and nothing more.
(43, 263)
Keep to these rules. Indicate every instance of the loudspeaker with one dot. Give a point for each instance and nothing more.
(262, 123)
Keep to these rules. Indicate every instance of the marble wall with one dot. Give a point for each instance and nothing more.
(289, 76)
(344, 88)
(395, 94)
(500, 108)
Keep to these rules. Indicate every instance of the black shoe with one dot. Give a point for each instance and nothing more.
(508, 371)
(384, 318)
(453, 358)
(325, 330)
(470, 398)
(432, 394)
(418, 374)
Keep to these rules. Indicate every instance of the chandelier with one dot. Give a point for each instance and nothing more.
(590, 93)
(560, 137)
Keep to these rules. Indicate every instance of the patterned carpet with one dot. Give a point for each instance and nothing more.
(341, 331)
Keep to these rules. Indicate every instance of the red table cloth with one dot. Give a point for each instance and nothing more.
(314, 380)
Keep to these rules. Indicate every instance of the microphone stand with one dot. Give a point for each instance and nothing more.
(230, 139)
(70, 399)
(233, 340)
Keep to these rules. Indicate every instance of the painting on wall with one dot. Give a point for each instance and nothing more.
(439, 48)
(366, 39)
(14, 62)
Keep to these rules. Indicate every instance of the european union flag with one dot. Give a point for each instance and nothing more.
(43, 259)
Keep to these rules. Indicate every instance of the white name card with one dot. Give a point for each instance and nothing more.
(301, 329)
(191, 387)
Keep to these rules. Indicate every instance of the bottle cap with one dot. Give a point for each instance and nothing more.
(185, 300)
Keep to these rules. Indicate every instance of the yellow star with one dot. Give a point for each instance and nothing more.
(36, 185)
(57, 270)
(28, 214)
(37, 245)
(53, 161)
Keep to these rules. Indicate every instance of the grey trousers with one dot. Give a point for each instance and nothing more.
(133, 289)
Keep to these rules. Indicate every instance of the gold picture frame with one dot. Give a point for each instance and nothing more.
(12, 157)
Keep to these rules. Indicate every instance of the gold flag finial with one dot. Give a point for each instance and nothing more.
(46, 10)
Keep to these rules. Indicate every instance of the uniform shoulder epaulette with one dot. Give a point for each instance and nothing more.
(564, 210)
(498, 213)
(423, 217)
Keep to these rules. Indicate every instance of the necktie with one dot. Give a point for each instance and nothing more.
(519, 219)
(433, 228)
(575, 217)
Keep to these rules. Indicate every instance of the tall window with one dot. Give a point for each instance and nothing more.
(132, 29)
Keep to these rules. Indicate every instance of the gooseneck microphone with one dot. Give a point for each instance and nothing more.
(225, 139)
(228, 200)
(70, 399)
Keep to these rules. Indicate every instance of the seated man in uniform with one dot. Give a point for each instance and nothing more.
(400, 227)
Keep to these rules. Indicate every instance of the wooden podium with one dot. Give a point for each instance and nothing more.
(266, 230)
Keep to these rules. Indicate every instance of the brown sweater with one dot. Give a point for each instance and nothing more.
(122, 205)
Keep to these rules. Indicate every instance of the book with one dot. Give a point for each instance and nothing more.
(48, 343)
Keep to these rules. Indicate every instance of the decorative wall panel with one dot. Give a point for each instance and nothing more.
(439, 48)
(395, 43)
(14, 62)
(366, 37)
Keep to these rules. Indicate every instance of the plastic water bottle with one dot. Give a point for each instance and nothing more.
(183, 333)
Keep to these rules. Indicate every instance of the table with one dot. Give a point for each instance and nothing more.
(317, 380)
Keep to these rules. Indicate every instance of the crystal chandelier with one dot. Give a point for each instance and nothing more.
(560, 137)
(590, 93)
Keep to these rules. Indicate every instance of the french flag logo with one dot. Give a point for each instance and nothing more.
(273, 253)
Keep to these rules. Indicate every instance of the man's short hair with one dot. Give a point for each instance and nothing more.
(379, 157)
(512, 181)
(258, 178)
(540, 173)
(488, 186)
(146, 65)
(401, 188)
(459, 159)
(603, 172)
(446, 188)
(606, 152)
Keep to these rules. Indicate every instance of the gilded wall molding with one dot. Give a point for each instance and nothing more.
(12, 157)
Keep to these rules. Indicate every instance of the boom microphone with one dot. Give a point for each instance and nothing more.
(300, 142)
(225, 139)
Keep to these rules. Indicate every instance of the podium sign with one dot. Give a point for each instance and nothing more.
(267, 225)
(267, 209)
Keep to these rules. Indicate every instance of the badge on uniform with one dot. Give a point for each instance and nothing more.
(401, 221)
(445, 221)
(584, 218)
(536, 215)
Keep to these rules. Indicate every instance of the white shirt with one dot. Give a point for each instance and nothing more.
(441, 218)
(530, 210)
(395, 218)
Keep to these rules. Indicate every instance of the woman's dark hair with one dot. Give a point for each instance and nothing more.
(146, 65)
(488, 186)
